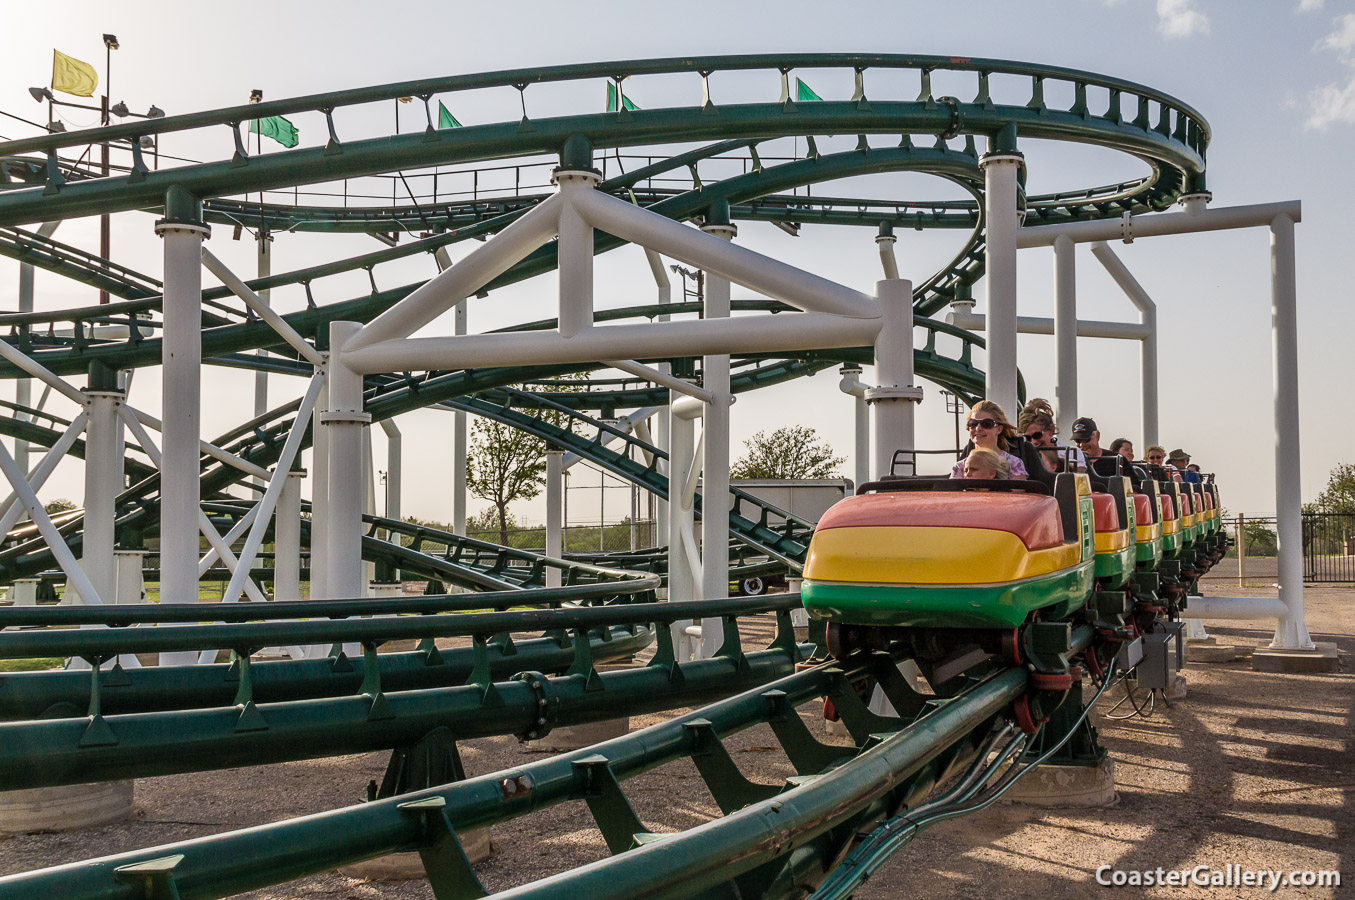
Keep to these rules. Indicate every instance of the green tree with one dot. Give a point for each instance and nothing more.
(792, 451)
(506, 464)
(59, 505)
(1339, 494)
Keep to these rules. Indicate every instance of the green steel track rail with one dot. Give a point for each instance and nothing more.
(244, 731)
(65, 694)
(1164, 130)
(783, 838)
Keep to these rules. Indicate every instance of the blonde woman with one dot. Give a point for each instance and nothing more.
(990, 430)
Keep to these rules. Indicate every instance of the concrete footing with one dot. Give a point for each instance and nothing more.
(408, 866)
(1322, 659)
(1176, 690)
(1209, 650)
(65, 808)
(1067, 786)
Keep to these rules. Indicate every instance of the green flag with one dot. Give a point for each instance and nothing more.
(804, 93)
(277, 128)
(445, 118)
(612, 96)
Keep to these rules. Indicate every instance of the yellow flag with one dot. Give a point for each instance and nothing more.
(71, 76)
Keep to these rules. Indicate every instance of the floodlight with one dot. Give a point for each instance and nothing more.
(41, 93)
(120, 110)
(111, 42)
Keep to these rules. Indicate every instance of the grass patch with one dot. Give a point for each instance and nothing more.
(31, 665)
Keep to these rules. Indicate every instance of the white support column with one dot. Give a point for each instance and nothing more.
(575, 252)
(661, 431)
(368, 500)
(182, 230)
(459, 448)
(394, 469)
(265, 268)
(684, 574)
(555, 507)
(1000, 169)
(131, 583)
(895, 396)
(885, 241)
(345, 419)
(715, 451)
(23, 388)
(287, 539)
(1148, 321)
(103, 470)
(320, 515)
(1148, 377)
(1292, 633)
(1065, 335)
(851, 384)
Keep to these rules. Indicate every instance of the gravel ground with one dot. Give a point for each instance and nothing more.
(1251, 769)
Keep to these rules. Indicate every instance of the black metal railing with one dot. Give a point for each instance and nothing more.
(1329, 547)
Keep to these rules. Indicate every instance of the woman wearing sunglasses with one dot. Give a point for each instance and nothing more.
(1036, 422)
(990, 430)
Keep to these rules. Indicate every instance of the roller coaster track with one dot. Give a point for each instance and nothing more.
(772, 842)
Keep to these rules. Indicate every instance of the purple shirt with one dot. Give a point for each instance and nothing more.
(1017, 469)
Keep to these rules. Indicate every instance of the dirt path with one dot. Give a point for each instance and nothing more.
(1252, 769)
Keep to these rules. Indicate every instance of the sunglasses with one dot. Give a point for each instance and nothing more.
(1034, 435)
(1085, 440)
(985, 424)
(1155, 458)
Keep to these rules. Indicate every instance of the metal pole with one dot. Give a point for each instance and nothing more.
(181, 354)
(555, 499)
(715, 451)
(459, 445)
(895, 395)
(346, 420)
(1000, 169)
(1148, 323)
(1292, 633)
(394, 469)
(662, 429)
(575, 253)
(23, 387)
(103, 468)
(261, 377)
(683, 575)
(287, 539)
(1065, 333)
(320, 517)
(1241, 551)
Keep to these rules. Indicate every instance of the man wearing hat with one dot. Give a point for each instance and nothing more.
(1087, 438)
(1181, 460)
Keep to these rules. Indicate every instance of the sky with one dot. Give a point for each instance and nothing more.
(1276, 80)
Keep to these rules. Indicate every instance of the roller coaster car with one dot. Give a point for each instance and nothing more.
(953, 553)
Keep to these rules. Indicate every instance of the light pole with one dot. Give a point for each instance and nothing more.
(105, 234)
